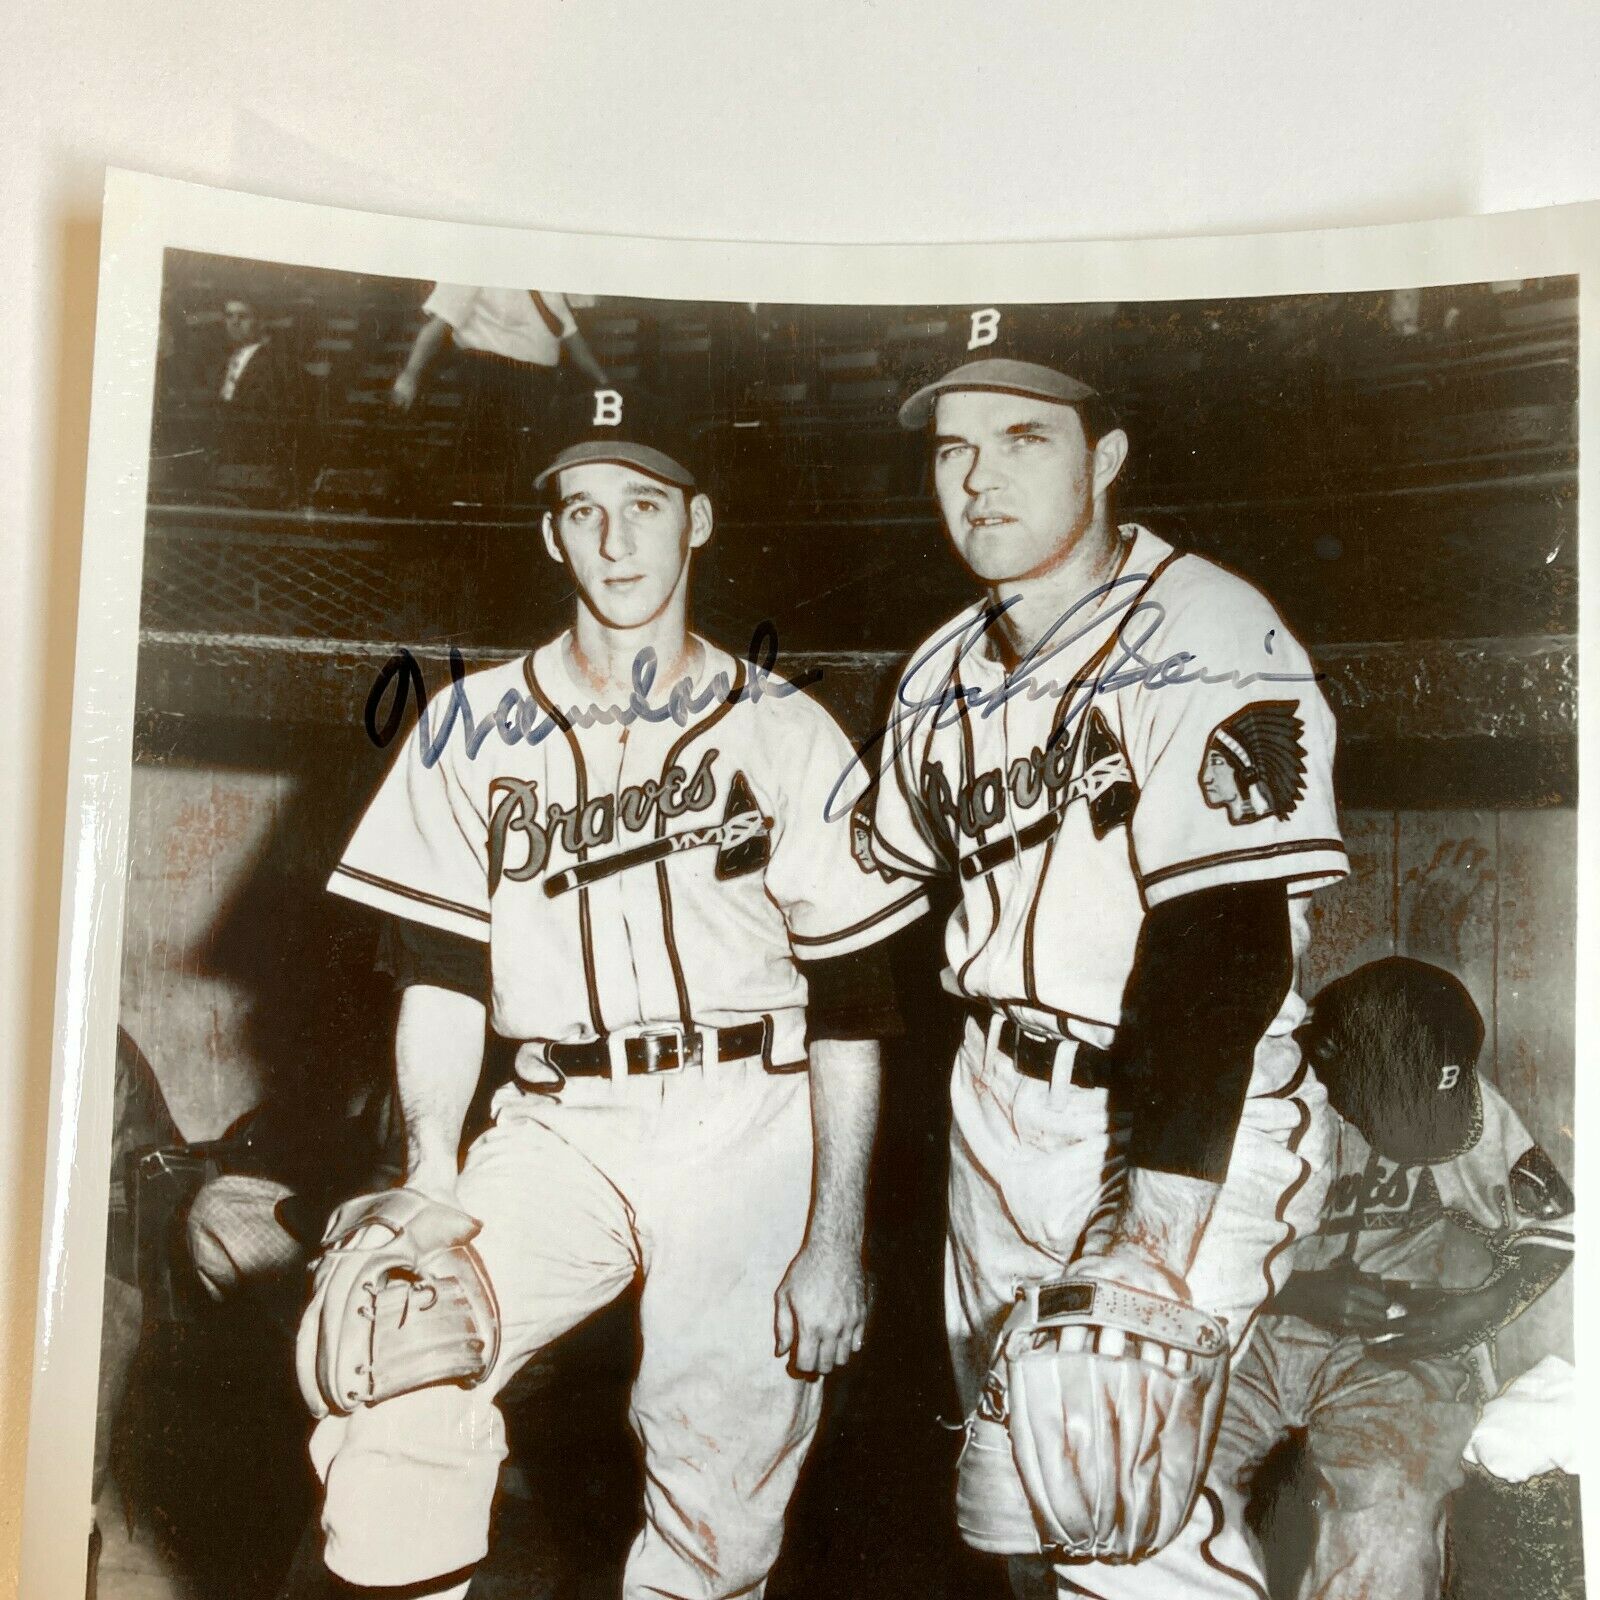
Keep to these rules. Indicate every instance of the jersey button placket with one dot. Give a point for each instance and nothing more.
(622, 882)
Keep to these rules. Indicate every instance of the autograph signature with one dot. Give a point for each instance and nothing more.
(521, 719)
(1126, 664)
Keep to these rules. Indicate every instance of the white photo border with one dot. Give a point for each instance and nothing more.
(145, 216)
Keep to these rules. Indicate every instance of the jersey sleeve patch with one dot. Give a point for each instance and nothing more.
(1231, 753)
(1255, 763)
(861, 847)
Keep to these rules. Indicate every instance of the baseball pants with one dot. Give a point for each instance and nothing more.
(235, 1238)
(1386, 1442)
(697, 1184)
(1028, 1161)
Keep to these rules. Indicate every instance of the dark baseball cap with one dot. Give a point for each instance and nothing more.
(996, 375)
(622, 428)
(1396, 1044)
(622, 453)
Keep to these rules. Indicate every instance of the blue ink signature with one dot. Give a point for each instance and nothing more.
(1126, 665)
(520, 718)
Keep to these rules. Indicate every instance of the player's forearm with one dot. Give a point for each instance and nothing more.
(845, 1084)
(1161, 1220)
(438, 1056)
(429, 341)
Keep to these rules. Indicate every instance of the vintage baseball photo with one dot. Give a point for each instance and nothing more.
(862, 947)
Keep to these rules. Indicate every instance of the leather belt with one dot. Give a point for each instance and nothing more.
(1033, 1055)
(654, 1051)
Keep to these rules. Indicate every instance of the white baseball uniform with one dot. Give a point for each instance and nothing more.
(1168, 736)
(1386, 1439)
(521, 324)
(554, 841)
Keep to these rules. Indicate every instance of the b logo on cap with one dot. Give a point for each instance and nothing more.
(1449, 1077)
(985, 328)
(607, 408)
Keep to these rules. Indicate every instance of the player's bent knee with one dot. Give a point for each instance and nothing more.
(234, 1236)
(408, 1486)
(207, 1228)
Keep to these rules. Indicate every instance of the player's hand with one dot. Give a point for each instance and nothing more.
(1339, 1299)
(403, 393)
(821, 1308)
(1433, 1322)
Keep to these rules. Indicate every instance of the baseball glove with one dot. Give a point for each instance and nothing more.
(1111, 1397)
(399, 1300)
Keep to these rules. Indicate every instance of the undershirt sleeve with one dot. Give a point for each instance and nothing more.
(412, 952)
(1210, 974)
(852, 996)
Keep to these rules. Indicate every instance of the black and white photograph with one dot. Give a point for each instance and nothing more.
(863, 947)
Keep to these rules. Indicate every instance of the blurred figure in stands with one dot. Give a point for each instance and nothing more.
(261, 392)
(257, 374)
(513, 341)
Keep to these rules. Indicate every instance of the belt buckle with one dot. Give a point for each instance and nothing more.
(1051, 1044)
(685, 1045)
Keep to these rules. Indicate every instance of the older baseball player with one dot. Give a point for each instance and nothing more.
(628, 868)
(1136, 1141)
(1444, 1221)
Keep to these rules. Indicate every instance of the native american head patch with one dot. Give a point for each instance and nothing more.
(861, 841)
(1255, 763)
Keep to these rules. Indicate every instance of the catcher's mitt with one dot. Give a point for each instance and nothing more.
(399, 1300)
(1111, 1397)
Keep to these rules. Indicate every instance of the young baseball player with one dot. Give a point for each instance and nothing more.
(620, 853)
(1443, 1223)
(1133, 1127)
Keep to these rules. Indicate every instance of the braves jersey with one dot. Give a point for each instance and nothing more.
(630, 866)
(1167, 735)
(524, 324)
(1438, 1223)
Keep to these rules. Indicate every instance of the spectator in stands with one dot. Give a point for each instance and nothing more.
(1444, 1221)
(262, 398)
(257, 374)
(513, 341)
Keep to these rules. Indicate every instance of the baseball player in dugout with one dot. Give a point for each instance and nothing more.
(1445, 1221)
(615, 849)
(1119, 759)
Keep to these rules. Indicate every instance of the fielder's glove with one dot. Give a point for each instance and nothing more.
(1109, 1398)
(399, 1300)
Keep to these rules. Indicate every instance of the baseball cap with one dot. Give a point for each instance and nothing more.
(622, 429)
(623, 453)
(996, 375)
(1396, 1044)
